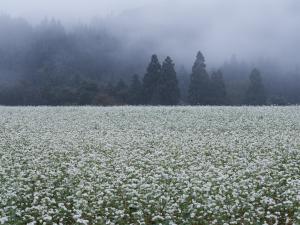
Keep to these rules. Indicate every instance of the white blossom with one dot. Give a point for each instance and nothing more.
(145, 165)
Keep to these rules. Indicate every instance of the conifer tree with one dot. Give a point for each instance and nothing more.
(199, 89)
(218, 89)
(183, 83)
(256, 94)
(135, 91)
(151, 82)
(168, 84)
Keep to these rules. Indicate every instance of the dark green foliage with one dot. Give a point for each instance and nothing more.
(87, 92)
(135, 95)
(199, 90)
(151, 82)
(278, 100)
(218, 89)
(104, 99)
(256, 94)
(183, 82)
(109, 89)
(168, 84)
(121, 93)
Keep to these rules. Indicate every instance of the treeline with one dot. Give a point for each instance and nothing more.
(88, 65)
(159, 86)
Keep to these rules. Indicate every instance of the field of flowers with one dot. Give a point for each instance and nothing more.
(149, 165)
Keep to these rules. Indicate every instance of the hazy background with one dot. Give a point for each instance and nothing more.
(53, 50)
(251, 30)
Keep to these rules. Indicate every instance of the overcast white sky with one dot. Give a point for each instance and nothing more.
(248, 28)
(70, 9)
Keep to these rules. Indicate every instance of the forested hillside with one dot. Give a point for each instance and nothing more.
(49, 64)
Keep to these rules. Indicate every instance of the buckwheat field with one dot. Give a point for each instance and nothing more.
(150, 165)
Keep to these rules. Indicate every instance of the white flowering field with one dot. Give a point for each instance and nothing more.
(149, 165)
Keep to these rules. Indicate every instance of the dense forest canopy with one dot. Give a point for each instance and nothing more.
(50, 64)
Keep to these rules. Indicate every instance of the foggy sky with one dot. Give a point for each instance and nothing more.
(67, 10)
(250, 29)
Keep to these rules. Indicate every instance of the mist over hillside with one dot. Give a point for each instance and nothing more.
(249, 29)
(103, 43)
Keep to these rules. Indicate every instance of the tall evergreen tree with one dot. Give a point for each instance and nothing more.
(199, 89)
(135, 91)
(256, 94)
(183, 83)
(151, 82)
(218, 89)
(168, 84)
